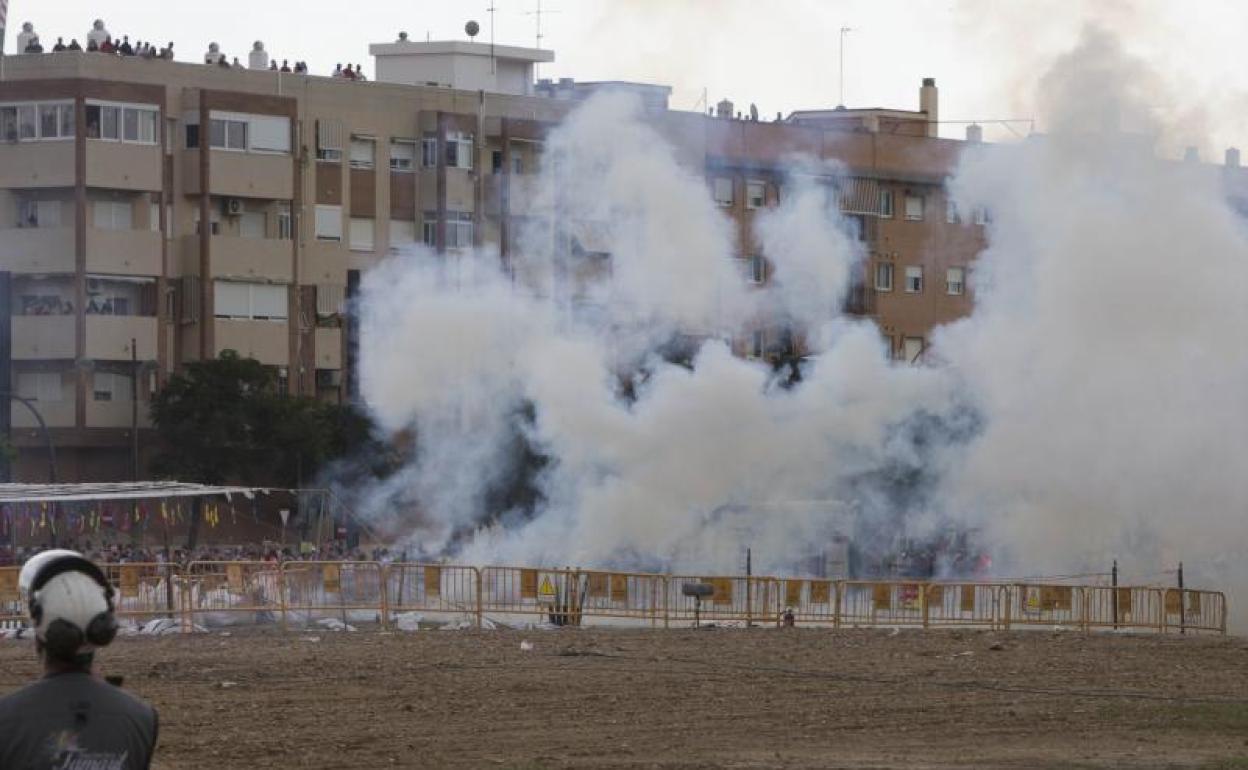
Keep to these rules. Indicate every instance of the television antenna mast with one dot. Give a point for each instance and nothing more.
(844, 31)
(493, 63)
(537, 13)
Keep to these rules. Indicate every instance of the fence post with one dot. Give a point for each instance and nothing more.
(1085, 619)
(836, 608)
(1182, 604)
(480, 598)
(923, 591)
(383, 579)
(281, 592)
(1114, 593)
(666, 594)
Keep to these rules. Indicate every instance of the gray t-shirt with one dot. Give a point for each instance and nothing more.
(74, 721)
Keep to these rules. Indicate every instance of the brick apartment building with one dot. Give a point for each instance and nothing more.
(155, 212)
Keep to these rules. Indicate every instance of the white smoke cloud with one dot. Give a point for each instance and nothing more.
(1092, 407)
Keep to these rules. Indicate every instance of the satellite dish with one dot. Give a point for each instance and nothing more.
(472, 28)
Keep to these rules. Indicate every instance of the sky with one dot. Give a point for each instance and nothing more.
(985, 54)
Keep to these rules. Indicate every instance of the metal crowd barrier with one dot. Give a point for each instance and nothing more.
(217, 593)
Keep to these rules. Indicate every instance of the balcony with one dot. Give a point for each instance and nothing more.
(37, 250)
(43, 337)
(37, 164)
(860, 300)
(266, 341)
(324, 262)
(108, 337)
(252, 258)
(116, 414)
(242, 174)
(56, 414)
(123, 252)
(123, 166)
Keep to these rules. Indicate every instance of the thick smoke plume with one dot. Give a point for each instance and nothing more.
(575, 409)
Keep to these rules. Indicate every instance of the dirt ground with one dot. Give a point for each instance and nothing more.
(710, 698)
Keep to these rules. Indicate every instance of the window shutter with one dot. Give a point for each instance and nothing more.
(329, 135)
(269, 133)
(361, 234)
(329, 299)
(329, 222)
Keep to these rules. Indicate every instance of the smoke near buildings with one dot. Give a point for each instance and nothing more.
(568, 408)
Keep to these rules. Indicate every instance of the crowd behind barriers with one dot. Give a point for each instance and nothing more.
(100, 40)
(101, 553)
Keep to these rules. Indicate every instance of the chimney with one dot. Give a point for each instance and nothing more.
(723, 109)
(975, 133)
(1191, 155)
(1232, 157)
(928, 104)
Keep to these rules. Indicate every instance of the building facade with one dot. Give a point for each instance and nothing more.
(158, 212)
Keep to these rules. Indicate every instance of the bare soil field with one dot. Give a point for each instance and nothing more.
(709, 698)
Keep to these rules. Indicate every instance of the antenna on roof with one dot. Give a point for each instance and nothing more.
(538, 13)
(844, 31)
(493, 64)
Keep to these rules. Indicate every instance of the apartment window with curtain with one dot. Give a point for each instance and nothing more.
(249, 301)
(363, 152)
(113, 215)
(429, 152)
(429, 229)
(755, 194)
(459, 229)
(361, 235)
(723, 190)
(402, 154)
(328, 223)
(955, 280)
(121, 122)
(459, 149)
(40, 121)
(32, 213)
(914, 279)
(914, 208)
(886, 204)
(884, 276)
(44, 387)
(402, 234)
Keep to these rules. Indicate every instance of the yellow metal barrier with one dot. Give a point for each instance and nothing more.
(751, 599)
(1044, 605)
(438, 589)
(145, 590)
(964, 604)
(887, 603)
(350, 591)
(227, 593)
(1124, 607)
(1194, 612)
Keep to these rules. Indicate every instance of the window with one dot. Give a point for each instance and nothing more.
(153, 216)
(723, 190)
(33, 121)
(496, 162)
(402, 234)
(981, 215)
(113, 215)
(429, 229)
(40, 386)
(285, 227)
(912, 349)
(329, 223)
(758, 343)
(459, 229)
(363, 152)
(249, 301)
(955, 280)
(192, 136)
(914, 279)
(517, 163)
(33, 213)
(110, 386)
(227, 134)
(329, 141)
(114, 295)
(361, 234)
(124, 123)
(886, 204)
(951, 212)
(402, 154)
(429, 152)
(214, 224)
(268, 133)
(459, 150)
(884, 276)
(755, 194)
(251, 224)
(755, 269)
(914, 207)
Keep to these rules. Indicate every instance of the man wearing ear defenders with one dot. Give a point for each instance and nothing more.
(71, 719)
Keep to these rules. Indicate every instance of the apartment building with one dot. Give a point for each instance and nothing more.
(158, 212)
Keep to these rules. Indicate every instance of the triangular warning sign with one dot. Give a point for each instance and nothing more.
(547, 588)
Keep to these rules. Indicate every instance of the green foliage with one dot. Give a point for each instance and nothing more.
(224, 420)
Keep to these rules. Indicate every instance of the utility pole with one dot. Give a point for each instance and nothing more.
(134, 409)
(844, 31)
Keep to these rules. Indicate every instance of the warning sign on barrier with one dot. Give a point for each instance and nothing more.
(129, 582)
(547, 592)
(8, 584)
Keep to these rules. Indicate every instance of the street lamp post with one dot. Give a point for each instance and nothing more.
(43, 428)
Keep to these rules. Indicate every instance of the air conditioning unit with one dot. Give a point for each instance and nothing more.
(328, 378)
(233, 207)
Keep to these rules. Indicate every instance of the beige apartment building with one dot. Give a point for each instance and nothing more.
(157, 212)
